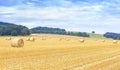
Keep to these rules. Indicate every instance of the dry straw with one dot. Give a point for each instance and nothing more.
(96, 39)
(67, 39)
(28, 39)
(9, 38)
(60, 39)
(103, 40)
(31, 39)
(43, 38)
(82, 40)
(17, 42)
(115, 41)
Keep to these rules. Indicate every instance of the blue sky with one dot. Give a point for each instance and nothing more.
(74, 15)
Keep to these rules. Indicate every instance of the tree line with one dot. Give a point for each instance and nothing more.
(112, 35)
(9, 29)
(83, 34)
(48, 30)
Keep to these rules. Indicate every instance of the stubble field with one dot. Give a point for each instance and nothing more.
(60, 52)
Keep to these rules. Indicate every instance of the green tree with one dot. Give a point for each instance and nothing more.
(14, 33)
(93, 32)
(13, 29)
(25, 32)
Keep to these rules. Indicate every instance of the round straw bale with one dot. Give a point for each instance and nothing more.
(60, 39)
(103, 40)
(82, 40)
(28, 39)
(9, 38)
(115, 41)
(67, 39)
(17, 42)
(32, 39)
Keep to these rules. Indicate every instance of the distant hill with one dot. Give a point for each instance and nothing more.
(49, 30)
(6, 24)
(10, 29)
(7, 29)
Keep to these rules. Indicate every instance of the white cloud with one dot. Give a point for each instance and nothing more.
(80, 18)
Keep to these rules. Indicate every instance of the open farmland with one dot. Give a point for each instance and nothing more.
(59, 52)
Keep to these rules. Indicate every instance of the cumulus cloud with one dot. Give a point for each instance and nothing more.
(74, 15)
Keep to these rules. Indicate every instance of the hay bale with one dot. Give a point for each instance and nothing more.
(28, 39)
(67, 39)
(82, 40)
(60, 39)
(31, 39)
(17, 42)
(115, 41)
(103, 40)
(9, 38)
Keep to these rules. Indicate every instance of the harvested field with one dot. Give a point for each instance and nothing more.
(53, 54)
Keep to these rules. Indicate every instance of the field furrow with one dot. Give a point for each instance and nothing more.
(52, 54)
